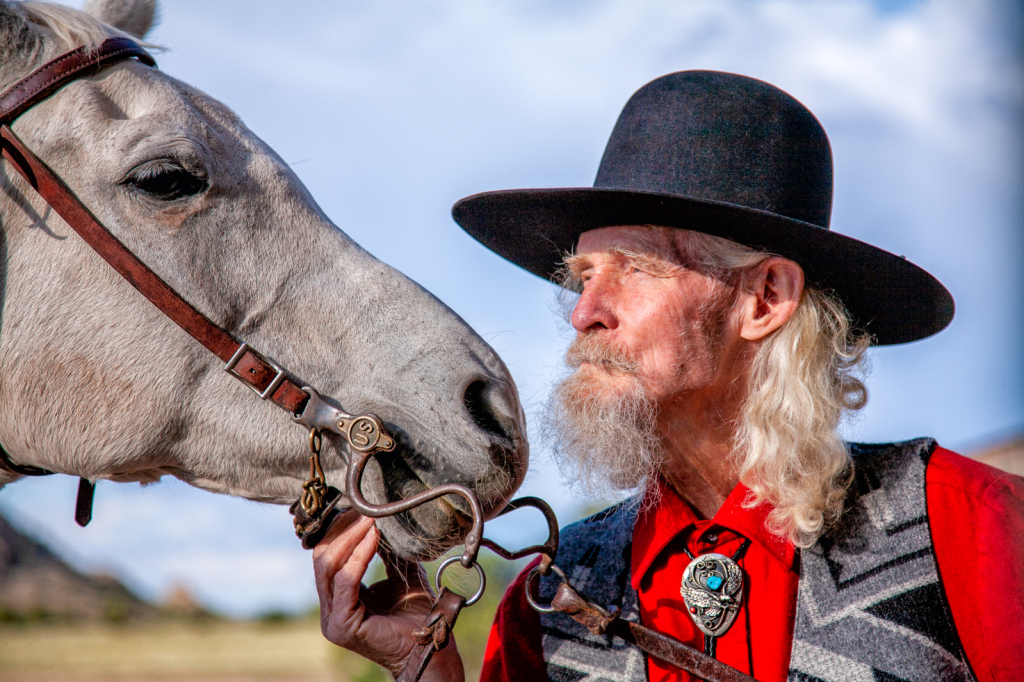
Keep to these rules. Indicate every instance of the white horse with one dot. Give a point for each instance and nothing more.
(96, 382)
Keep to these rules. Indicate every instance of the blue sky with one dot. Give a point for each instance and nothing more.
(391, 111)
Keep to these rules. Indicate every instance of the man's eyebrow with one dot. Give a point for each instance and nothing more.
(648, 261)
(575, 263)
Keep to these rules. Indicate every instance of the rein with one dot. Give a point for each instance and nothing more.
(365, 434)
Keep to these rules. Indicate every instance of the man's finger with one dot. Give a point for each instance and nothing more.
(339, 524)
(336, 552)
(333, 555)
(347, 581)
(355, 568)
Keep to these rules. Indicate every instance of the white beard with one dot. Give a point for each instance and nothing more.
(601, 421)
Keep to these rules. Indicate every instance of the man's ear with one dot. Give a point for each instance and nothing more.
(770, 296)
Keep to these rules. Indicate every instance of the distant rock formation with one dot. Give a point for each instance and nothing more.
(36, 585)
(180, 601)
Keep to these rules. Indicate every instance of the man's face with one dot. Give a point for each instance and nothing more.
(670, 322)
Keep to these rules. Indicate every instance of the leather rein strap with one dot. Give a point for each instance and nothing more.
(263, 376)
(601, 621)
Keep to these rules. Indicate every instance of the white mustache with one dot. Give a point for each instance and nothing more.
(603, 436)
(597, 351)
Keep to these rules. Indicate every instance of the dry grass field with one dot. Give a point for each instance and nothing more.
(220, 651)
(58, 625)
(211, 649)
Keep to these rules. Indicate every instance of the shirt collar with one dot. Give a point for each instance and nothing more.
(659, 523)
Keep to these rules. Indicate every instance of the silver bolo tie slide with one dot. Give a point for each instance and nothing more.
(712, 590)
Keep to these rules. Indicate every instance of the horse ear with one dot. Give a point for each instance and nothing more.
(131, 16)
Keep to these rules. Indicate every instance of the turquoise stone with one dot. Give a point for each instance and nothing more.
(714, 582)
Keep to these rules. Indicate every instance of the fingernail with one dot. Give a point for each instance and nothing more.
(370, 537)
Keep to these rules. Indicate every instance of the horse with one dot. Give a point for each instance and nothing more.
(96, 382)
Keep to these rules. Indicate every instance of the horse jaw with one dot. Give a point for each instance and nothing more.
(94, 381)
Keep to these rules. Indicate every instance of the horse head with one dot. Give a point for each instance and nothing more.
(96, 382)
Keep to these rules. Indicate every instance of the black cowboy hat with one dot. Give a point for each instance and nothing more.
(729, 156)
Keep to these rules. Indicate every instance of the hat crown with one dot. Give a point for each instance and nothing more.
(722, 137)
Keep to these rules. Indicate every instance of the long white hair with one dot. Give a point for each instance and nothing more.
(802, 380)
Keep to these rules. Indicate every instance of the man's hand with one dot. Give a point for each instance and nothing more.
(375, 622)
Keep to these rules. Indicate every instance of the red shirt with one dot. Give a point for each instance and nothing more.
(976, 514)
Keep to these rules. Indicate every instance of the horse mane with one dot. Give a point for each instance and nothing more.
(69, 27)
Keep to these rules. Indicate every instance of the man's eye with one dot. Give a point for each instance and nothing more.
(166, 180)
(637, 270)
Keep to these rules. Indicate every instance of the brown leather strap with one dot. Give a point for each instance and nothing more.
(264, 377)
(674, 652)
(434, 635)
(77, 63)
(83, 503)
(21, 469)
(600, 621)
(311, 529)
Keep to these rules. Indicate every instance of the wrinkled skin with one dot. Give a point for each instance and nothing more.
(95, 381)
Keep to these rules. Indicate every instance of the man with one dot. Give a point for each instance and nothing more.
(720, 326)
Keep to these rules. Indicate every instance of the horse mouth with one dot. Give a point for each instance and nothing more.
(428, 530)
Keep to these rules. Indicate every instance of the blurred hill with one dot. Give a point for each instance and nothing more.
(60, 625)
(36, 585)
(1007, 455)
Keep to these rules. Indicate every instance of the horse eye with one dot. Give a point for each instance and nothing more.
(165, 180)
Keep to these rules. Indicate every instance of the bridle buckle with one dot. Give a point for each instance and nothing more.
(269, 390)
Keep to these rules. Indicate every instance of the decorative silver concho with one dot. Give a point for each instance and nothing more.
(712, 591)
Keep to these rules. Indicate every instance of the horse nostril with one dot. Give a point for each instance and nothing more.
(484, 411)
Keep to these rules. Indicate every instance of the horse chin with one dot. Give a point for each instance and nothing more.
(424, 533)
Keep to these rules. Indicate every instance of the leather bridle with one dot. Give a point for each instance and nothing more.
(267, 379)
(264, 377)
(365, 434)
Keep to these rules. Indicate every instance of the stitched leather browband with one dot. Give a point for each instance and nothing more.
(264, 377)
(78, 63)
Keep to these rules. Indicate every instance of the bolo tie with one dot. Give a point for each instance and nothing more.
(712, 590)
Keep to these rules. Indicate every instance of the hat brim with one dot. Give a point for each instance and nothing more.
(886, 295)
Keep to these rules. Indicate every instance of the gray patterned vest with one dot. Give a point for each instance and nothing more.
(870, 606)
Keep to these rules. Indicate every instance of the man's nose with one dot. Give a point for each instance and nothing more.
(594, 310)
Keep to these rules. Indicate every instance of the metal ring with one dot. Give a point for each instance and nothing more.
(479, 571)
(316, 440)
(529, 595)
